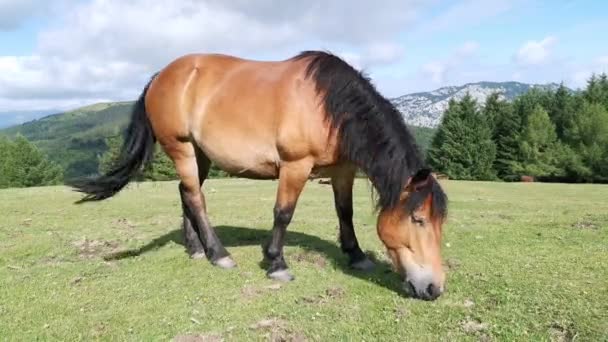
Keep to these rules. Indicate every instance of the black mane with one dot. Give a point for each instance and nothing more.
(372, 132)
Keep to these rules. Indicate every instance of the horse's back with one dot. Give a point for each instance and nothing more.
(247, 116)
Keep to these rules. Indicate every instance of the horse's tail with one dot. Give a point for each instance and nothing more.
(136, 152)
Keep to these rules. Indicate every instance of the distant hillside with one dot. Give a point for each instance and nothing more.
(76, 139)
(426, 108)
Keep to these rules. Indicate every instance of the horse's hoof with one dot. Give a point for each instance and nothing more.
(281, 275)
(225, 262)
(363, 265)
(198, 256)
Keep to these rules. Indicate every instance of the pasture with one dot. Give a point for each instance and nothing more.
(525, 262)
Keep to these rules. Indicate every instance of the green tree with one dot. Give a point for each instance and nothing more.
(562, 112)
(538, 145)
(603, 82)
(462, 147)
(526, 103)
(506, 135)
(112, 153)
(160, 169)
(594, 92)
(493, 109)
(591, 135)
(6, 163)
(23, 165)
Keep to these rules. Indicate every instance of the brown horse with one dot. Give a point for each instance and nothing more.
(310, 114)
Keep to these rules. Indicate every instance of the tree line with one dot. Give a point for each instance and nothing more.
(552, 135)
(23, 165)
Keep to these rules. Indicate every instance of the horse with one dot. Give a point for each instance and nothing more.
(285, 120)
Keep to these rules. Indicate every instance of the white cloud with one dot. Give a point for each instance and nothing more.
(109, 48)
(535, 52)
(438, 70)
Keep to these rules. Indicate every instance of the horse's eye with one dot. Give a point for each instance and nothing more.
(417, 220)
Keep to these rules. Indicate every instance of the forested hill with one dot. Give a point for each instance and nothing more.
(76, 139)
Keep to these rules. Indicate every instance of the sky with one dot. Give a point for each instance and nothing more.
(62, 54)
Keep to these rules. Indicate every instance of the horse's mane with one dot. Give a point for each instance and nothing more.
(372, 132)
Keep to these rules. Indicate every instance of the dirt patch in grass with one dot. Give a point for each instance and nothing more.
(584, 223)
(198, 338)
(452, 264)
(124, 223)
(559, 332)
(331, 293)
(311, 257)
(401, 313)
(89, 249)
(473, 326)
(251, 292)
(275, 329)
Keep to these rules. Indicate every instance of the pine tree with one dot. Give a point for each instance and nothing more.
(25, 166)
(562, 111)
(538, 145)
(506, 135)
(591, 134)
(493, 109)
(603, 82)
(107, 159)
(6, 163)
(594, 93)
(462, 147)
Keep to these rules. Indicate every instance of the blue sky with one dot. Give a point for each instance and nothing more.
(62, 54)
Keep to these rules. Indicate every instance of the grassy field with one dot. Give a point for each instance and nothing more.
(525, 262)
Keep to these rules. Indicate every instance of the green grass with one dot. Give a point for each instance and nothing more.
(526, 262)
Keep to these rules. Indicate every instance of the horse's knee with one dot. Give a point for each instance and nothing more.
(283, 215)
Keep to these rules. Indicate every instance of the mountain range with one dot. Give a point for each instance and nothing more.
(75, 139)
(425, 109)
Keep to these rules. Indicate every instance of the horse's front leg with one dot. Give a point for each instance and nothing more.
(342, 184)
(292, 178)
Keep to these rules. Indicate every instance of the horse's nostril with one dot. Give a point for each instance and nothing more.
(432, 291)
(411, 289)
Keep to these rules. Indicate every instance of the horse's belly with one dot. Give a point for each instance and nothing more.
(245, 159)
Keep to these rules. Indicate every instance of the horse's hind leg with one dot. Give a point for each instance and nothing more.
(196, 221)
(342, 184)
(192, 235)
(292, 178)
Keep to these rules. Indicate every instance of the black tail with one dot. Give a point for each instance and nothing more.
(136, 152)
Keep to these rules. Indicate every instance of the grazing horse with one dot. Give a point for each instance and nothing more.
(309, 114)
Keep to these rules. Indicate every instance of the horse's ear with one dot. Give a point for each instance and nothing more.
(419, 180)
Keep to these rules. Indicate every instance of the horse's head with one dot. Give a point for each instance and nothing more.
(411, 231)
